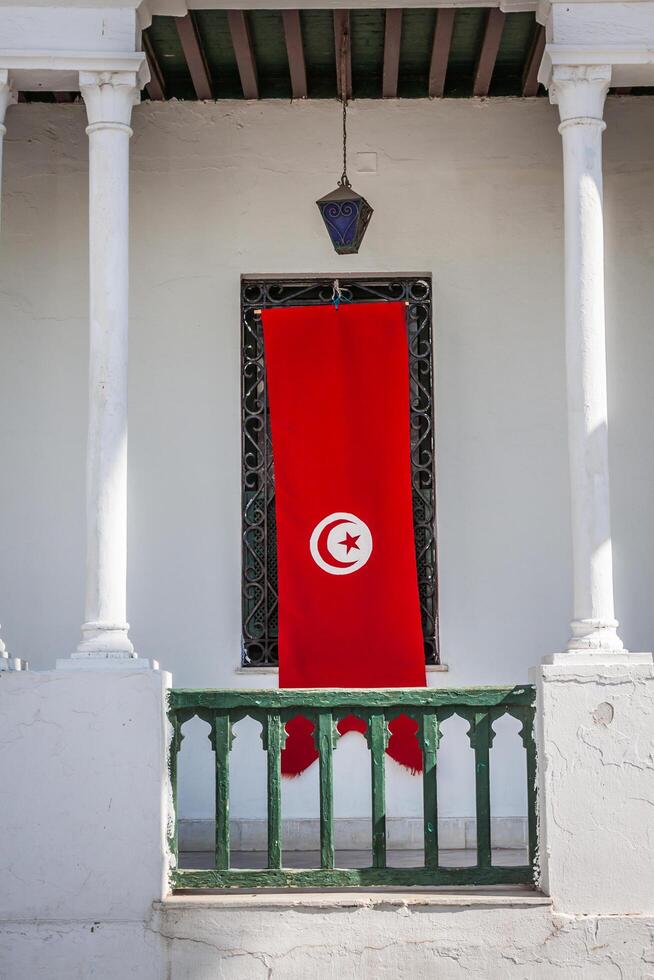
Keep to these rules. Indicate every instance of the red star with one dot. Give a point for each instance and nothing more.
(350, 542)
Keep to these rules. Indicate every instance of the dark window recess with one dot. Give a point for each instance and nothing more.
(259, 537)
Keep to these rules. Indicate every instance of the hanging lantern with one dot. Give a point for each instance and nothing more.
(346, 214)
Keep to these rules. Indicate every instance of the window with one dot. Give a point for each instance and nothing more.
(259, 538)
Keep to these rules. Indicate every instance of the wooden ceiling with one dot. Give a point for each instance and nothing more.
(403, 53)
(407, 53)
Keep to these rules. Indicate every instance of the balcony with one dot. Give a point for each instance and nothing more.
(480, 708)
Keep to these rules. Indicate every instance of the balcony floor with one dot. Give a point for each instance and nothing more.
(504, 857)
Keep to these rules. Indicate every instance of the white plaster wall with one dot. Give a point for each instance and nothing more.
(399, 937)
(85, 809)
(596, 744)
(335, 937)
(73, 950)
(83, 795)
(467, 190)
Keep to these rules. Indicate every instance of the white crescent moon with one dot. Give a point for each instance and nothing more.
(319, 547)
(323, 550)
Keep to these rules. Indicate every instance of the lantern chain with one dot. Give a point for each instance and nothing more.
(344, 181)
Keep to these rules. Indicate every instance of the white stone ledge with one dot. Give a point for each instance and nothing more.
(107, 663)
(599, 673)
(632, 64)
(511, 896)
(72, 60)
(58, 71)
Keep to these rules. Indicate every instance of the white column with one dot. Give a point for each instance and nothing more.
(7, 97)
(109, 97)
(580, 92)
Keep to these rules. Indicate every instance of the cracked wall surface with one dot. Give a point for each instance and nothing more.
(392, 942)
(74, 950)
(596, 758)
(406, 942)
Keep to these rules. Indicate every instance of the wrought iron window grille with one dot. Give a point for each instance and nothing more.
(259, 538)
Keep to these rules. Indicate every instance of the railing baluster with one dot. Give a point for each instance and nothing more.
(480, 740)
(530, 748)
(378, 740)
(222, 738)
(430, 734)
(274, 750)
(175, 746)
(325, 740)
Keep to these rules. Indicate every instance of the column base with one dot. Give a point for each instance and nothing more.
(12, 663)
(598, 658)
(105, 646)
(106, 662)
(105, 639)
(594, 634)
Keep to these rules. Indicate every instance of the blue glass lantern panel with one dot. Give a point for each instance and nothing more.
(346, 215)
(341, 218)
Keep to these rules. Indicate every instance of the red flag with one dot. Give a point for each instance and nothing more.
(349, 613)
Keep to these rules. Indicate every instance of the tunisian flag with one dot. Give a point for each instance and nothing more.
(349, 613)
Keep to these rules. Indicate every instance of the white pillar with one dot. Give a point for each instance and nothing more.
(7, 97)
(109, 97)
(580, 92)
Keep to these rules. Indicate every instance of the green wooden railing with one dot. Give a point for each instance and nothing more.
(480, 707)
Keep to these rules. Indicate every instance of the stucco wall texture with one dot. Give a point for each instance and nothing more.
(470, 191)
(396, 940)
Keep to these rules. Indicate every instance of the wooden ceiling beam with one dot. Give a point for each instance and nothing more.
(192, 48)
(242, 42)
(440, 51)
(392, 41)
(295, 52)
(487, 56)
(343, 46)
(156, 87)
(530, 74)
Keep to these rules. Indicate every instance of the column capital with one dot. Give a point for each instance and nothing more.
(109, 97)
(580, 92)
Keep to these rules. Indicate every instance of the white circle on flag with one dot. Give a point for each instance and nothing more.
(341, 543)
